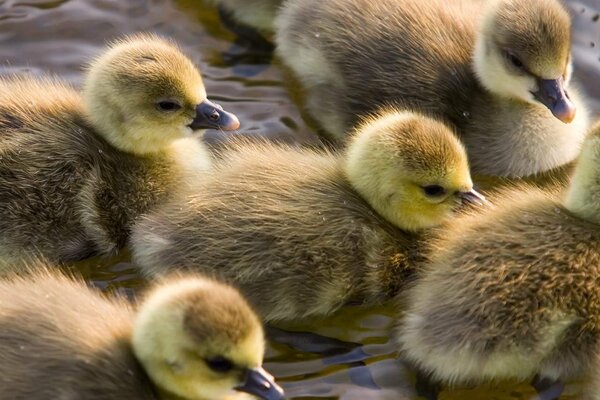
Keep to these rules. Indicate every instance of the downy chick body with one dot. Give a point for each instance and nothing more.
(512, 291)
(76, 172)
(498, 71)
(303, 232)
(190, 338)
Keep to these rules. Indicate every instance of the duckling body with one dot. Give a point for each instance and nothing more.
(353, 57)
(511, 292)
(303, 232)
(75, 172)
(61, 339)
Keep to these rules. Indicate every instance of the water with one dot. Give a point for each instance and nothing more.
(348, 356)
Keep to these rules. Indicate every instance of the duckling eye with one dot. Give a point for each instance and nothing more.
(514, 60)
(434, 190)
(168, 106)
(219, 364)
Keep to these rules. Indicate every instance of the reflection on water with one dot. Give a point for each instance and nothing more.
(348, 356)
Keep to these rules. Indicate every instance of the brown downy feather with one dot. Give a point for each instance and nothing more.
(512, 291)
(354, 56)
(297, 230)
(75, 174)
(61, 339)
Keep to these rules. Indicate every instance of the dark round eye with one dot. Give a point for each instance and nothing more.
(168, 106)
(434, 190)
(514, 60)
(219, 364)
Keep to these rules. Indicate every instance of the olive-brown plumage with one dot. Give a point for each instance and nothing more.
(75, 171)
(496, 70)
(302, 232)
(512, 291)
(190, 338)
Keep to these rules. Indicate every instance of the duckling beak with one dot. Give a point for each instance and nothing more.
(212, 116)
(472, 197)
(261, 384)
(552, 94)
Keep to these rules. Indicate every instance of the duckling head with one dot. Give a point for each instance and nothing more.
(523, 52)
(143, 93)
(199, 339)
(583, 195)
(410, 168)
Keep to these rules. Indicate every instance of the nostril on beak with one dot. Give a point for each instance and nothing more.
(213, 116)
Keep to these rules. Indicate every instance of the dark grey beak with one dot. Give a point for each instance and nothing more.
(212, 116)
(552, 94)
(260, 384)
(472, 197)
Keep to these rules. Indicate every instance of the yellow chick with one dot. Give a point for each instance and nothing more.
(512, 291)
(76, 171)
(497, 71)
(190, 338)
(303, 232)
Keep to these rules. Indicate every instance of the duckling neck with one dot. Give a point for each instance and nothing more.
(583, 194)
(140, 141)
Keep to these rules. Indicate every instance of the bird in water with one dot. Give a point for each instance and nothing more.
(303, 232)
(511, 291)
(498, 71)
(76, 170)
(189, 338)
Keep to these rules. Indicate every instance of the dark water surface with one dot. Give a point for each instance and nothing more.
(348, 356)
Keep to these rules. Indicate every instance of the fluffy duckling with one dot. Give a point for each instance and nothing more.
(75, 172)
(190, 338)
(303, 232)
(512, 291)
(497, 71)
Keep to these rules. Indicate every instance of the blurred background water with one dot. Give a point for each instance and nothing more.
(348, 356)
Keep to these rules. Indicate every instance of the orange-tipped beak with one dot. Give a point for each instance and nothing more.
(552, 94)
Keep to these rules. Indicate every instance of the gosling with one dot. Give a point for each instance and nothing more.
(75, 172)
(497, 71)
(303, 232)
(512, 291)
(190, 338)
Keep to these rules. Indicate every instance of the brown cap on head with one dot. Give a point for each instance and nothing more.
(228, 317)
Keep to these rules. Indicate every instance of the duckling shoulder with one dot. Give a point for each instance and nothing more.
(507, 293)
(56, 331)
(285, 226)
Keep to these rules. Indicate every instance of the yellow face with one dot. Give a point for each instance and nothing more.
(143, 93)
(425, 202)
(211, 369)
(199, 340)
(410, 168)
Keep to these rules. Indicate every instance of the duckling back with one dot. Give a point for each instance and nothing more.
(60, 339)
(346, 65)
(284, 225)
